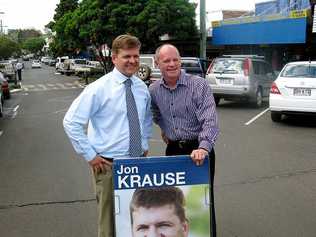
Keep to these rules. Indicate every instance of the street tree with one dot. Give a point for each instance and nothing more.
(98, 22)
(62, 44)
(8, 48)
(20, 35)
(34, 45)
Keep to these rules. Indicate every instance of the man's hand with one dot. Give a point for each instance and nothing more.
(99, 164)
(145, 153)
(164, 137)
(199, 155)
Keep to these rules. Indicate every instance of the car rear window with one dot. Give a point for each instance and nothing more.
(227, 66)
(302, 70)
(189, 63)
(148, 61)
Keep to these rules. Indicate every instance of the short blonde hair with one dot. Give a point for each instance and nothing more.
(125, 42)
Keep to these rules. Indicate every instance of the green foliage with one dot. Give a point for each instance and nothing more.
(20, 35)
(8, 48)
(198, 212)
(64, 7)
(34, 45)
(97, 22)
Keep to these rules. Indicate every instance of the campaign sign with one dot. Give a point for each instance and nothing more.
(161, 196)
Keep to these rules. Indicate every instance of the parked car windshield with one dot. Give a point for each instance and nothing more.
(228, 66)
(303, 70)
(80, 61)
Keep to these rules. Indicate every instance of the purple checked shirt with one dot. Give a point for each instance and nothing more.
(187, 112)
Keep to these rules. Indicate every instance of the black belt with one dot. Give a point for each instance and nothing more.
(108, 159)
(184, 143)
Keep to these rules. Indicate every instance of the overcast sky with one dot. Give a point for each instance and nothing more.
(25, 14)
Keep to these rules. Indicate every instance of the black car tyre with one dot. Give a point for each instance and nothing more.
(144, 72)
(258, 100)
(276, 116)
(217, 100)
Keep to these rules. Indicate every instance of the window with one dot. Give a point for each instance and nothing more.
(301, 70)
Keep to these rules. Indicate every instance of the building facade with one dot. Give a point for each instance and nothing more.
(280, 30)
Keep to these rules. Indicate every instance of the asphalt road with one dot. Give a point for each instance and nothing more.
(264, 183)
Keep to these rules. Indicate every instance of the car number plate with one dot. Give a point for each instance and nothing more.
(302, 92)
(225, 81)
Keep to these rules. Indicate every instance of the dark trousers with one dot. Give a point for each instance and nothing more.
(176, 148)
(20, 75)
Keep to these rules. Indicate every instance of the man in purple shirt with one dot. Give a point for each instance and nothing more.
(184, 108)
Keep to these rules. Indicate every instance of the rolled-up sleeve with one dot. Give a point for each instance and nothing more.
(76, 120)
(207, 116)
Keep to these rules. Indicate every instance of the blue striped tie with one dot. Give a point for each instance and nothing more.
(135, 142)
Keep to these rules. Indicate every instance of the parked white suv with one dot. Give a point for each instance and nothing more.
(148, 70)
(240, 77)
(59, 63)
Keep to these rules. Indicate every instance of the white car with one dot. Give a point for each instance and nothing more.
(294, 91)
(36, 64)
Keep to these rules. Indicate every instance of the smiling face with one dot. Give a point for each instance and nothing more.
(169, 63)
(159, 221)
(126, 61)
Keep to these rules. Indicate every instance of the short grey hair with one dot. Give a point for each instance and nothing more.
(157, 52)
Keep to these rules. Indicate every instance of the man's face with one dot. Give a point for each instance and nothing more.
(158, 222)
(169, 63)
(126, 61)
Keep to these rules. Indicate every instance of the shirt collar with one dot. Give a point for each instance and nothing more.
(120, 78)
(181, 81)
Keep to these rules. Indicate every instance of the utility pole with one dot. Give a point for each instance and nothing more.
(1, 26)
(202, 29)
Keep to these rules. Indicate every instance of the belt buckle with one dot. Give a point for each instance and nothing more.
(181, 144)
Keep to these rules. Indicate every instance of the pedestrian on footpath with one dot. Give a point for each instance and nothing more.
(184, 108)
(117, 109)
(19, 67)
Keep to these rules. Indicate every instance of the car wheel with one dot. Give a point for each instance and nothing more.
(1, 107)
(258, 100)
(276, 116)
(217, 100)
(144, 72)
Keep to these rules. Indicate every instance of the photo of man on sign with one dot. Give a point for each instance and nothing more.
(158, 212)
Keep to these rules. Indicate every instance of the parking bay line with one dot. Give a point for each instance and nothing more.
(256, 117)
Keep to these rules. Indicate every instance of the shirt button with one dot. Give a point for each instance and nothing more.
(171, 104)
(173, 116)
(176, 128)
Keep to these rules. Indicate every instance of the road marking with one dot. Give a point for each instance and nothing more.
(61, 85)
(16, 108)
(43, 87)
(60, 111)
(256, 117)
(52, 86)
(1, 132)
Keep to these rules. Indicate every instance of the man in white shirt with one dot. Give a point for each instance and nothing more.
(104, 106)
(19, 67)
